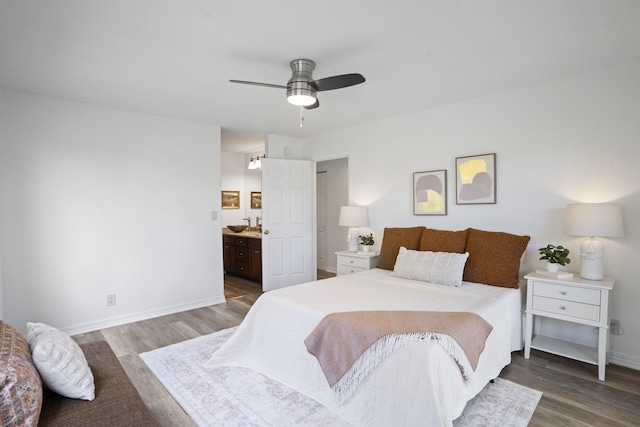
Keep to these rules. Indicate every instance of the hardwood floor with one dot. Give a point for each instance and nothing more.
(572, 394)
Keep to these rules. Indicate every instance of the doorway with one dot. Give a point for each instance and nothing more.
(332, 185)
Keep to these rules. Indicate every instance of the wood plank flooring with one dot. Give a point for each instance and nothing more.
(572, 394)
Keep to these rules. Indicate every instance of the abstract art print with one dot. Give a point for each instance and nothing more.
(476, 179)
(430, 193)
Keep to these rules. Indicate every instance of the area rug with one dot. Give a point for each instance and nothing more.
(233, 396)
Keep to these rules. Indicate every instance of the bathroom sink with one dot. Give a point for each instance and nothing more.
(237, 228)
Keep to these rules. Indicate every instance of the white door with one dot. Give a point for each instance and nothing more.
(321, 223)
(288, 223)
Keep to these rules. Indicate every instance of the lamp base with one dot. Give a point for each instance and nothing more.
(592, 260)
(352, 239)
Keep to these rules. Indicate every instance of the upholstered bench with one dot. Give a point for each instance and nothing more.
(25, 401)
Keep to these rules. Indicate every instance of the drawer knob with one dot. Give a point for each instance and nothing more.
(563, 293)
(351, 261)
(562, 307)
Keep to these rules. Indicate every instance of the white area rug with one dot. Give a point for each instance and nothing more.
(233, 396)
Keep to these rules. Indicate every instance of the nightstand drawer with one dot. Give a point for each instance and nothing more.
(348, 269)
(567, 293)
(362, 263)
(567, 308)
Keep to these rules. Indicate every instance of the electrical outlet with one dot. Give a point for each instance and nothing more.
(614, 327)
(111, 300)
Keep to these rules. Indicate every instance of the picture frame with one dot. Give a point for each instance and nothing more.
(256, 200)
(476, 179)
(230, 199)
(430, 192)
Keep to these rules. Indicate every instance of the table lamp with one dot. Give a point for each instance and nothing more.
(593, 220)
(353, 217)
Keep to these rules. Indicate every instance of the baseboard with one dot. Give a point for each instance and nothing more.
(143, 315)
(626, 360)
(332, 270)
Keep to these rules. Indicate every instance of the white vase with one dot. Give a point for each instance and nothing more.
(366, 248)
(552, 267)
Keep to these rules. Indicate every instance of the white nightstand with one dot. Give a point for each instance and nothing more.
(573, 300)
(353, 262)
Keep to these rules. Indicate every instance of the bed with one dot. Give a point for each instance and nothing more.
(417, 384)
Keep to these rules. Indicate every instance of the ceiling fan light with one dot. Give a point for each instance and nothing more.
(300, 93)
(301, 100)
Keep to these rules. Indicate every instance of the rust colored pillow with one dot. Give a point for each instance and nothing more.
(494, 258)
(392, 239)
(443, 241)
(20, 385)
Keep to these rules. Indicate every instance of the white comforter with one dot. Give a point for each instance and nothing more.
(417, 385)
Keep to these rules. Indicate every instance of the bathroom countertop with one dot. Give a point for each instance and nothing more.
(253, 234)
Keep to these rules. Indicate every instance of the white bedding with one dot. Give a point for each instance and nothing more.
(417, 385)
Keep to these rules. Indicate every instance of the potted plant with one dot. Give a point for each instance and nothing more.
(366, 241)
(554, 255)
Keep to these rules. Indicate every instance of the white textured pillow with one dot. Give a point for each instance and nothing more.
(443, 268)
(60, 362)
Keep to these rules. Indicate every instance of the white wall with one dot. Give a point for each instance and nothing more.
(232, 172)
(573, 140)
(283, 147)
(235, 176)
(252, 182)
(97, 201)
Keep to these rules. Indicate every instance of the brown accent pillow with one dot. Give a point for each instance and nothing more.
(20, 384)
(392, 239)
(443, 240)
(494, 258)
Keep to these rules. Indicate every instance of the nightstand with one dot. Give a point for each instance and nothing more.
(353, 262)
(573, 300)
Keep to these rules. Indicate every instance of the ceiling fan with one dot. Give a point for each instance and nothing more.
(301, 87)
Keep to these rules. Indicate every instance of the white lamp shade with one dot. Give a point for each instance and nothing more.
(593, 219)
(353, 216)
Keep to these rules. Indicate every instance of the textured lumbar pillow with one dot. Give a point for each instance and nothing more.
(443, 268)
(20, 386)
(60, 362)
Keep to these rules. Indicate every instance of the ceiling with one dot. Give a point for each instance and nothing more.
(175, 58)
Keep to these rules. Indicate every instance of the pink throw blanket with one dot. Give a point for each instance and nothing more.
(349, 345)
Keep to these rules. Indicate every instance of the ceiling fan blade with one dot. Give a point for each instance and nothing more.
(244, 82)
(337, 82)
(314, 105)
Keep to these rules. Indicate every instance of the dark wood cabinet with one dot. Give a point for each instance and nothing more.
(243, 256)
(255, 259)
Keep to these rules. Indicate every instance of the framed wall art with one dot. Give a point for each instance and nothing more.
(230, 199)
(256, 200)
(476, 179)
(430, 192)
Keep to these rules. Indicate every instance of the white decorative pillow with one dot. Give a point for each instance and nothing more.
(442, 268)
(60, 362)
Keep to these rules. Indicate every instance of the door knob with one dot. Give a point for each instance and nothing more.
(266, 231)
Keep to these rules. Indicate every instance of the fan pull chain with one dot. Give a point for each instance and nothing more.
(301, 117)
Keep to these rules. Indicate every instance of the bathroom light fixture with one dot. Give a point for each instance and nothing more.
(593, 220)
(256, 163)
